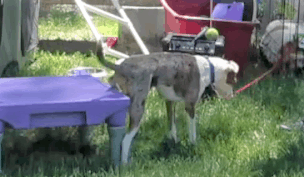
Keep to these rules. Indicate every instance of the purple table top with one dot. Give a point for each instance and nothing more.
(60, 101)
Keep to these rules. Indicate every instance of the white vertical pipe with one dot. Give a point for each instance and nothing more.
(104, 13)
(131, 27)
(116, 53)
(88, 19)
(211, 6)
(255, 9)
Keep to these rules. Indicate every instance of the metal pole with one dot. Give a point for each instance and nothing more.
(297, 32)
(282, 47)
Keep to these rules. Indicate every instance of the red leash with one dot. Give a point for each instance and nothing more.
(259, 78)
(255, 81)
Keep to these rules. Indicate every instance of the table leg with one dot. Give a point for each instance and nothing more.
(116, 136)
(1, 150)
(116, 128)
(2, 129)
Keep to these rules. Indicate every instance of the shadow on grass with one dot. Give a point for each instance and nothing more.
(217, 133)
(291, 162)
(51, 157)
(168, 148)
(52, 164)
(281, 91)
(70, 54)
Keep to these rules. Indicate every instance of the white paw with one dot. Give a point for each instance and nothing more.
(192, 130)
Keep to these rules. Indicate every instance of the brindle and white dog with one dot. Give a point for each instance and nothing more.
(177, 76)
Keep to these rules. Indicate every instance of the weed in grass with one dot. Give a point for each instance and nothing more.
(288, 164)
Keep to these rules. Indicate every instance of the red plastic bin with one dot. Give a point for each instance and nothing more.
(184, 16)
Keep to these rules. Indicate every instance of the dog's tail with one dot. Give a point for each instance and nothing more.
(101, 57)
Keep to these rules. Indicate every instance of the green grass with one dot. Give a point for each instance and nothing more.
(58, 63)
(239, 137)
(236, 138)
(73, 26)
(289, 10)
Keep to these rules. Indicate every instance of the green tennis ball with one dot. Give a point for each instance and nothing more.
(212, 34)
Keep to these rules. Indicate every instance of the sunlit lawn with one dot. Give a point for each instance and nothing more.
(72, 26)
(236, 138)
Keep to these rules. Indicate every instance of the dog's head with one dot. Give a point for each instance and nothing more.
(226, 78)
(232, 71)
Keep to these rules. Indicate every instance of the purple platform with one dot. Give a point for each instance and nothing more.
(34, 102)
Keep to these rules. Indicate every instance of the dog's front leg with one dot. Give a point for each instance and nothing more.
(190, 109)
(171, 118)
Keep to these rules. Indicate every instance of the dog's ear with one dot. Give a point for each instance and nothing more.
(232, 70)
(232, 67)
(231, 78)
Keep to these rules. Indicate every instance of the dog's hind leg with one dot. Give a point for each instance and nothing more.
(140, 90)
(171, 117)
(136, 112)
(190, 109)
(126, 145)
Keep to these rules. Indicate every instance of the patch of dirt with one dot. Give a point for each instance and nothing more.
(255, 66)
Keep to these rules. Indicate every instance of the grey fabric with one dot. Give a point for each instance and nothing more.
(29, 25)
(271, 41)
